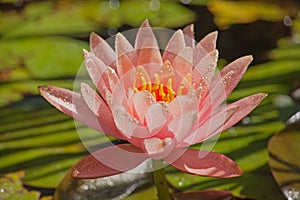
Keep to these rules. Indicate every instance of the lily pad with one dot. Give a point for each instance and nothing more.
(11, 188)
(284, 154)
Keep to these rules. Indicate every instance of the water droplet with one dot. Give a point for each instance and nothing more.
(246, 120)
(291, 193)
(186, 1)
(227, 77)
(154, 5)
(114, 4)
(84, 187)
(287, 21)
(210, 68)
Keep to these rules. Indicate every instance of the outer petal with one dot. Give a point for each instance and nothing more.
(205, 69)
(224, 82)
(233, 72)
(206, 163)
(174, 46)
(206, 45)
(70, 103)
(103, 77)
(210, 127)
(209, 41)
(100, 109)
(224, 119)
(147, 46)
(109, 161)
(126, 60)
(188, 32)
(231, 76)
(102, 50)
(245, 105)
(183, 62)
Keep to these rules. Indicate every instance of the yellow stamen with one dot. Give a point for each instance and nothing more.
(144, 83)
(157, 81)
(180, 89)
(160, 91)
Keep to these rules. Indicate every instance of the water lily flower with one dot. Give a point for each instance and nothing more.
(160, 102)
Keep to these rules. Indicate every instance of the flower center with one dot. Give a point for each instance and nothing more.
(159, 91)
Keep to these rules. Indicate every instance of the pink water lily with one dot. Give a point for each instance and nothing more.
(161, 103)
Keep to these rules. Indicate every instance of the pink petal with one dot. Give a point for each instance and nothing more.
(224, 119)
(95, 68)
(230, 77)
(165, 73)
(109, 161)
(182, 104)
(142, 101)
(158, 148)
(174, 46)
(102, 50)
(146, 45)
(188, 32)
(156, 117)
(101, 110)
(182, 125)
(126, 55)
(209, 41)
(205, 46)
(183, 61)
(206, 163)
(209, 128)
(130, 126)
(70, 103)
(234, 71)
(205, 69)
(245, 105)
(147, 54)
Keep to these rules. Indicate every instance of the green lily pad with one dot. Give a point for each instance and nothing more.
(11, 188)
(284, 154)
(135, 12)
(44, 19)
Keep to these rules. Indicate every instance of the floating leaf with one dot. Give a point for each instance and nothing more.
(44, 19)
(11, 188)
(284, 154)
(134, 12)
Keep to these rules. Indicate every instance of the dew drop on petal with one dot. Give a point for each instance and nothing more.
(227, 78)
